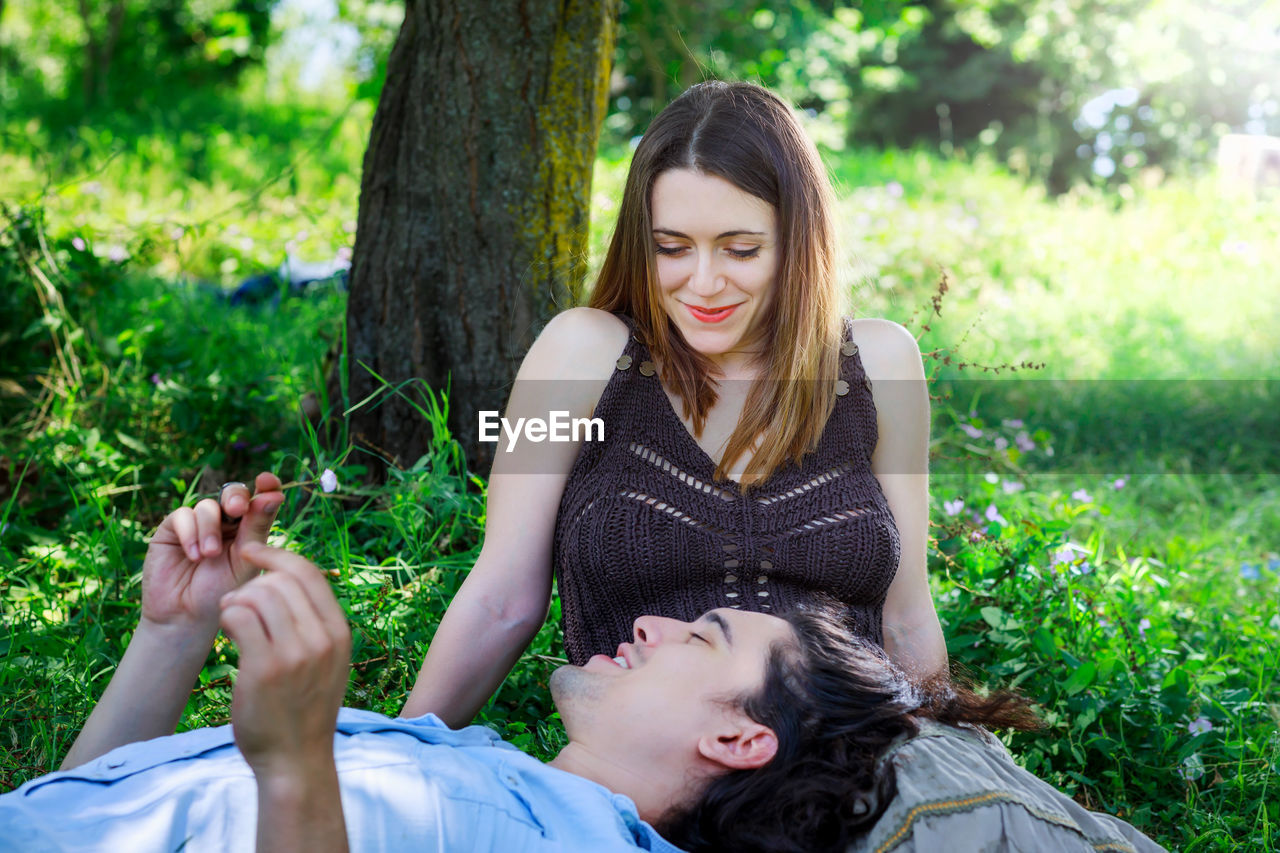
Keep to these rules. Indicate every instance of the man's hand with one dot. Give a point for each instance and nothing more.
(195, 556)
(295, 655)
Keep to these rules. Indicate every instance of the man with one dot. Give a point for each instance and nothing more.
(649, 725)
(739, 731)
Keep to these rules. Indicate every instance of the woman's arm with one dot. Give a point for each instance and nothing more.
(503, 602)
(912, 633)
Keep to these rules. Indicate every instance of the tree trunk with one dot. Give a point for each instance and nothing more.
(472, 228)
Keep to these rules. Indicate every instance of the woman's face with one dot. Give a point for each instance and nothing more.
(717, 258)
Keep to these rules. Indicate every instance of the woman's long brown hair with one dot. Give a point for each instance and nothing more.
(747, 136)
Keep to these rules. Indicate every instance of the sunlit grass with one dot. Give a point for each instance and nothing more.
(1165, 615)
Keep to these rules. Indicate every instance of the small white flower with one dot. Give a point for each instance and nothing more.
(329, 481)
(1081, 495)
(952, 508)
(1001, 443)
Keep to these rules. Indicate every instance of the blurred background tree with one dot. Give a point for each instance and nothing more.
(1062, 91)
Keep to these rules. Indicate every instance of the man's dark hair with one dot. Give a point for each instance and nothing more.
(835, 702)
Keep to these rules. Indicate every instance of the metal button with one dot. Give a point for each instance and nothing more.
(842, 387)
(849, 348)
(764, 593)
(732, 563)
(765, 564)
(866, 383)
(762, 579)
(624, 361)
(730, 578)
(730, 595)
(730, 547)
(647, 368)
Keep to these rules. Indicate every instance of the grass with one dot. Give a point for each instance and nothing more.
(129, 386)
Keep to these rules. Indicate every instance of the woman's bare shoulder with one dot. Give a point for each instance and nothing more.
(887, 349)
(580, 343)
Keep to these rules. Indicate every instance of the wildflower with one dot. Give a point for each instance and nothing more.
(991, 477)
(952, 508)
(1199, 725)
(976, 536)
(239, 444)
(1191, 769)
(1119, 483)
(1024, 442)
(993, 514)
(1143, 624)
(895, 189)
(1068, 553)
(78, 243)
(1001, 443)
(155, 379)
(1081, 495)
(1249, 571)
(1013, 423)
(329, 481)
(176, 233)
(1012, 487)
(117, 254)
(971, 430)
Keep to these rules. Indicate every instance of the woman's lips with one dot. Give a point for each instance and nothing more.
(711, 315)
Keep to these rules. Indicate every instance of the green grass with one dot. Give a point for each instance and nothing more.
(127, 389)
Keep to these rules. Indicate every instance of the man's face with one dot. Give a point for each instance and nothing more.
(665, 690)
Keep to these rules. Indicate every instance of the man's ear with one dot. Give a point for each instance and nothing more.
(742, 744)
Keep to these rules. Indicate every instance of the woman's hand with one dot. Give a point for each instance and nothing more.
(195, 558)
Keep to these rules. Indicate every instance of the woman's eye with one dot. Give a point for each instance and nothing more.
(698, 637)
(669, 250)
(745, 253)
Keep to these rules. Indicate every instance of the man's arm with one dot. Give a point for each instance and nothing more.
(295, 655)
(192, 561)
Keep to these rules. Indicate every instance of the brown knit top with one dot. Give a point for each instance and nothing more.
(644, 529)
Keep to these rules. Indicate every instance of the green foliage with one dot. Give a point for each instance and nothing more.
(173, 391)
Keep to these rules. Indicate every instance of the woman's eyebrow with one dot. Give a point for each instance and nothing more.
(737, 233)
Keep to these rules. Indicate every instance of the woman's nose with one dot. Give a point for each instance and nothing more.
(705, 281)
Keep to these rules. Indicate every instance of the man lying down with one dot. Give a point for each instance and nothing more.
(740, 731)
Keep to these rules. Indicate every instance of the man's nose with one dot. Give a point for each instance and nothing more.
(650, 630)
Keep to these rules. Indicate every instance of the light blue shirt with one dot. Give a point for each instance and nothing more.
(405, 784)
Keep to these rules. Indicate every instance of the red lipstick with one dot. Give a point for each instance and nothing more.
(711, 315)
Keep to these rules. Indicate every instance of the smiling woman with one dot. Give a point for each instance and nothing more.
(760, 449)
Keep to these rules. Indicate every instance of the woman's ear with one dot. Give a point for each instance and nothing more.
(741, 745)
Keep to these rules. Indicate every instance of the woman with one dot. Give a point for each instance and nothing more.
(758, 450)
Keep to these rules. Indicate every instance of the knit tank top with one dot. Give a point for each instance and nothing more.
(643, 527)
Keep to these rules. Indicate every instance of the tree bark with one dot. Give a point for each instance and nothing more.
(472, 227)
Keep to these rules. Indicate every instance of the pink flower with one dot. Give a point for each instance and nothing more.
(993, 514)
(1024, 442)
(1143, 624)
(1001, 443)
(971, 430)
(78, 243)
(952, 508)
(1199, 725)
(1082, 496)
(1119, 483)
